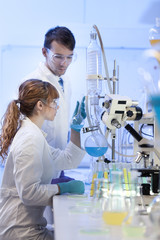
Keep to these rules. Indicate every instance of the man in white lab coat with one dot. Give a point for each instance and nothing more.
(58, 51)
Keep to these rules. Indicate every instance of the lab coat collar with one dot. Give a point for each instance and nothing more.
(47, 72)
(27, 120)
(52, 78)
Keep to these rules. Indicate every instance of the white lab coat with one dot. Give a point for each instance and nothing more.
(57, 130)
(26, 188)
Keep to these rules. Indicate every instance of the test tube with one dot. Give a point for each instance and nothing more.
(125, 179)
(93, 178)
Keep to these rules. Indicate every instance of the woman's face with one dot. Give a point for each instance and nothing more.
(51, 109)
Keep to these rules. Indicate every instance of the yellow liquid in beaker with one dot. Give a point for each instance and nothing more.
(154, 41)
(114, 218)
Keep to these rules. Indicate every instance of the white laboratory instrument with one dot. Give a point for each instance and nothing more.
(118, 110)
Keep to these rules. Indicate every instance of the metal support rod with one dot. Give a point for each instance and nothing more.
(114, 78)
(113, 145)
(114, 131)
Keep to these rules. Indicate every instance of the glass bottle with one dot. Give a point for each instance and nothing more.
(154, 34)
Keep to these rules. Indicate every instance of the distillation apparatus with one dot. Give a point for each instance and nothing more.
(115, 111)
(94, 91)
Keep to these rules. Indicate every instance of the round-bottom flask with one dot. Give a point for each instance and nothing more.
(96, 144)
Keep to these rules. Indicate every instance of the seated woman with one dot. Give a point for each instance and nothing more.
(32, 163)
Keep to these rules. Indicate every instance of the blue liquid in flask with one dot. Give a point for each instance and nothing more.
(96, 151)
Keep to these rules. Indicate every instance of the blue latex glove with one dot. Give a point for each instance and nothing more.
(62, 178)
(74, 186)
(78, 116)
(83, 110)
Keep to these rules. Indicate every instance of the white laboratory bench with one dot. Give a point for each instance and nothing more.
(73, 220)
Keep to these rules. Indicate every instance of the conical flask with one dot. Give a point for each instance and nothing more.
(133, 225)
(115, 208)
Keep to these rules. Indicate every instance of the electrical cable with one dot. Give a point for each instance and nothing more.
(141, 130)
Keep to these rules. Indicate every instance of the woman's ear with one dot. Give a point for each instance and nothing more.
(39, 105)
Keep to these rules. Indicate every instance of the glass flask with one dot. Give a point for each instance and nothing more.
(101, 192)
(154, 34)
(154, 211)
(96, 144)
(133, 225)
(154, 216)
(115, 207)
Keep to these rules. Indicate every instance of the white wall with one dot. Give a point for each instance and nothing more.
(123, 25)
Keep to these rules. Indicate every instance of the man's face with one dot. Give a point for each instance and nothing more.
(58, 58)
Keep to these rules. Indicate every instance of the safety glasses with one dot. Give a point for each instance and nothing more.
(59, 58)
(53, 104)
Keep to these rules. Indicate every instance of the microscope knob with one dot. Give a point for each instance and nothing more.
(106, 104)
(129, 113)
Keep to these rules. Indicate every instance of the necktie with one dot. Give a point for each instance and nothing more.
(61, 83)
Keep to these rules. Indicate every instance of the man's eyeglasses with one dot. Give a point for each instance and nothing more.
(59, 58)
